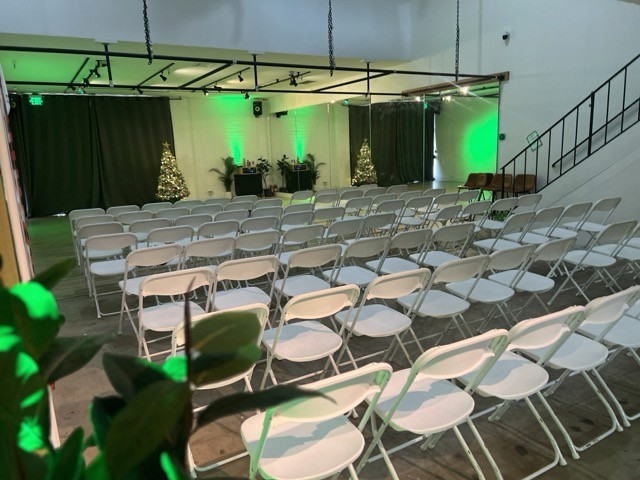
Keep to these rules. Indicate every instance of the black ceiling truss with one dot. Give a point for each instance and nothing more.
(159, 72)
(371, 73)
(72, 82)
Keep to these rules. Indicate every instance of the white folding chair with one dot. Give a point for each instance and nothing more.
(379, 224)
(259, 224)
(296, 219)
(472, 210)
(267, 203)
(493, 221)
(409, 195)
(444, 215)
(528, 202)
(328, 215)
(378, 199)
(397, 189)
(237, 215)
(571, 214)
(374, 191)
(307, 339)
(141, 228)
(447, 243)
(172, 213)
(468, 196)
(219, 228)
(346, 195)
(209, 209)
(377, 320)
(243, 270)
(91, 230)
(348, 272)
(190, 204)
(595, 221)
(194, 221)
(127, 218)
(139, 264)
(296, 238)
(182, 235)
(357, 207)
(403, 244)
(245, 198)
(547, 218)
(413, 215)
(154, 207)
(423, 400)
(164, 317)
(115, 211)
(234, 206)
(311, 437)
(434, 192)
(325, 199)
(267, 212)
(515, 224)
(257, 243)
(217, 201)
(343, 232)
(208, 252)
(301, 196)
(298, 207)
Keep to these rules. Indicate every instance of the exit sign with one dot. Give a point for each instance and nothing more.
(36, 100)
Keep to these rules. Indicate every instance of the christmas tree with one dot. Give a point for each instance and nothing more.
(365, 171)
(171, 184)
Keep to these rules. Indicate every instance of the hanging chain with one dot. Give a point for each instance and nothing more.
(457, 66)
(147, 33)
(332, 61)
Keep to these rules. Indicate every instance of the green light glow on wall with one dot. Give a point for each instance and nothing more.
(479, 143)
(234, 110)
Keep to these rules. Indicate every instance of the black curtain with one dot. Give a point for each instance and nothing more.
(401, 140)
(81, 152)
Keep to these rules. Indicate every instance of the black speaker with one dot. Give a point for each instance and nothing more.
(257, 108)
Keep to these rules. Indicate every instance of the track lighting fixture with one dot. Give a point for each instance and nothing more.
(81, 90)
(217, 88)
(73, 89)
(246, 96)
(205, 92)
(163, 77)
(85, 82)
(95, 72)
(292, 80)
(139, 90)
(240, 79)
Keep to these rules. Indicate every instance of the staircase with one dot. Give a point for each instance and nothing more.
(605, 114)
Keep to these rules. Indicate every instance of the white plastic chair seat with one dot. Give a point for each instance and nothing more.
(163, 318)
(627, 253)
(484, 291)
(393, 265)
(429, 406)
(512, 377)
(634, 242)
(296, 451)
(351, 275)
(495, 245)
(377, 320)
(109, 267)
(436, 304)
(301, 284)
(411, 221)
(490, 224)
(578, 353)
(592, 259)
(434, 258)
(529, 282)
(528, 238)
(626, 332)
(238, 297)
(586, 226)
(556, 232)
(303, 341)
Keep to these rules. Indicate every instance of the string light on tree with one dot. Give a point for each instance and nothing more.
(365, 171)
(171, 183)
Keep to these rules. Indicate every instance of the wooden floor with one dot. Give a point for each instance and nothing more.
(516, 442)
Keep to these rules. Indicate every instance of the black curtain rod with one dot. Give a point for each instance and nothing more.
(294, 66)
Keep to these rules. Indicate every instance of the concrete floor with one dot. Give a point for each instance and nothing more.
(516, 442)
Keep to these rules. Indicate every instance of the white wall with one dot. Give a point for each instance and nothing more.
(208, 128)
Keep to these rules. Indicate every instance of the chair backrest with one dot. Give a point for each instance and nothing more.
(462, 357)
(417, 202)
(223, 228)
(504, 204)
(347, 189)
(209, 209)
(237, 215)
(321, 303)
(156, 206)
(301, 196)
(210, 248)
(378, 199)
(529, 201)
(550, 330)
(409, 195)
(447, 213)
(602, 210)
(346, 228)
(475, 208)
(302, 234)
(297, 218)
(378, 220)
(127, 218)
(326, 198)
(247, 268)
(511, 258)
(349, 194)
(358, 205)
(606, 311)
(170, 234)
(460, 270)
(553, 250)
(433, 192)
(111, 241)
(615, 233)
(193, 221)
(154, 256)
(445, 199)
(94, 229)
(468, 196)
(187, 203)
(217, 201)
(328, 214)
(92, 219)
(390, 206)
(499, 181)
(117, 210)
(367, 186)
(258, 241)
(145, 226)
(374, 191)
(267, 212)
(397, 189)
(259, 223)
(411, 239)
(268, 202)
(245, 198)
(235, 206)
(575, 213)
(396, 285)
(172, 213)
(517, 223)
(176, 283)
(84, 212)
(472, 180)
(298, 207)
(315, 256)
(547, 217)
(366, 247)
(456, 232)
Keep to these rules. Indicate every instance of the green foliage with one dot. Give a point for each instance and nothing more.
(263, 167)
(226, 174)
(314, 167)
(284, 166)
(142, 432)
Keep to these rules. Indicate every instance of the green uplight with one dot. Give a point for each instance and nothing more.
(39, 301)
(480, 143)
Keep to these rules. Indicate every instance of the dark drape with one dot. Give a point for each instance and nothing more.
(401, 140)
(81, 152)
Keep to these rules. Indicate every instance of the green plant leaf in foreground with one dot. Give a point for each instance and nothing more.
(69, 354)
(242, 402)
(69, 462)
(140, 427)
(214, 367)
(225, 332)
(52, 275)
(129, 375)
(102, 410)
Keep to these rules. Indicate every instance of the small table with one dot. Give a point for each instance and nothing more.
(248, 184)
(299, 180)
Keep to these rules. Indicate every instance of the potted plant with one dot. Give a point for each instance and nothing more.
(226, 174)
(263, 167)
(284, 166)
(314, 167)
